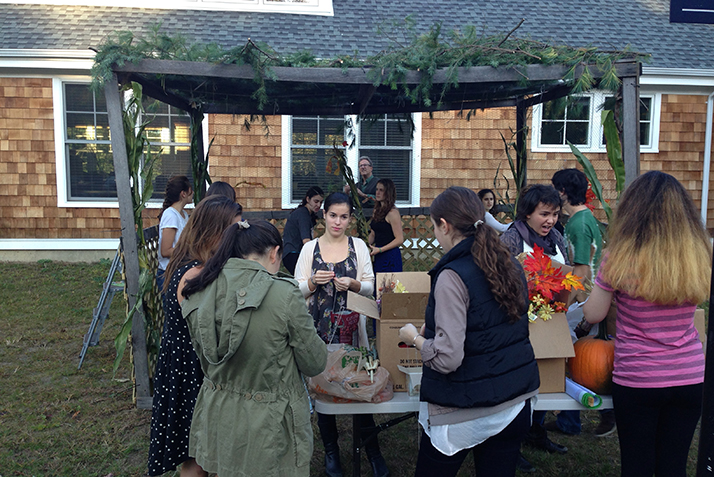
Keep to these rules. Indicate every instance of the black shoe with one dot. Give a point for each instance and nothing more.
(523, 465)
(547, 445)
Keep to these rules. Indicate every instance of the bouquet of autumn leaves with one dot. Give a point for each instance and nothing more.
(545, 283)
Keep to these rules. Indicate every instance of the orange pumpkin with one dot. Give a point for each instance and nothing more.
(593, 363)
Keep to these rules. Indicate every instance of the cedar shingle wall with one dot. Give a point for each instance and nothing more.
(455, 151)
(28, 197)
(249, 159)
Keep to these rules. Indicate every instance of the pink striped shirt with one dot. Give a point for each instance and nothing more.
(656, 346)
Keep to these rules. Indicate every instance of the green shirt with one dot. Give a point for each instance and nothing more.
(582, 233)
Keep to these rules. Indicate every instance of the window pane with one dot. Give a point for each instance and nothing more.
(78, 97)
(158, 130)
(102, 130)
(579, 109)
(304, 131)
(552, 132)
(394, 165)
(399, 133)
(91, 171)
(332, 131)
(372, 133)
(645, 109)
(554, 109)
(181, 131)
(312, 167)
(644, 134)
(577, 133)
(81, 126)
(173, 161)
(100, 101)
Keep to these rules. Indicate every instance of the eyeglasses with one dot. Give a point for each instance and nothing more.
(364, 165)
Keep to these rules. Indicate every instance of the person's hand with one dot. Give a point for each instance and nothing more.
(360, 193)
(343, 283)
(346, 189)
(321, 277)
(375, 250)
(422, 329)
(407, 333)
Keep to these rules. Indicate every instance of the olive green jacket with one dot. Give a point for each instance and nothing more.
(253, 336)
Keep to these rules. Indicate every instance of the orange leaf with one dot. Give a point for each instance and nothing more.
(572, 282)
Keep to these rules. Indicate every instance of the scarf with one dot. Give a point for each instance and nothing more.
(529, 236)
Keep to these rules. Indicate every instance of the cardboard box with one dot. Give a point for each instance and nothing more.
(398, 309)
(552, 345)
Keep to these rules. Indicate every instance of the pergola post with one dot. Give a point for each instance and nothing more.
(631, 127)
(521, 138)
(128, 235)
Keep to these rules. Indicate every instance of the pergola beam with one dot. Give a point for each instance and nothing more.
(474, 74)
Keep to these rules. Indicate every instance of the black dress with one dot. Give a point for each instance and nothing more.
(177, 379)
(391, 260)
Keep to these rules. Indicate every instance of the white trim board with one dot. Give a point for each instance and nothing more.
(59, 244)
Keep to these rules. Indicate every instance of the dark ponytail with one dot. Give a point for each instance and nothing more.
(464, 211)
(240, 240)
(174, 187)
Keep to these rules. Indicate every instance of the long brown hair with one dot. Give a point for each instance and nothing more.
(202, 233)
(658, 248)
(462, 208)
(172, 194)
(240, 241)
(390, 197)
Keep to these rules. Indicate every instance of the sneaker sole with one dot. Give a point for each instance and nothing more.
(608, 433)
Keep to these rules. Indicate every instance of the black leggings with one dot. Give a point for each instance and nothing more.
(494, 457)
(655, 427)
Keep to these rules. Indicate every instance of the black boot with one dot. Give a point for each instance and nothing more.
(379, 465)
(328, 432)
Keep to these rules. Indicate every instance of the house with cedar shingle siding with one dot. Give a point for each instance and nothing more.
(57, 192)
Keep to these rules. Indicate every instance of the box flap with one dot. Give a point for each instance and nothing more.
(362, 304)
(551, 339)
(414, 282)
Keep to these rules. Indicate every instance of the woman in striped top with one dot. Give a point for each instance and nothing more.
(657, 268)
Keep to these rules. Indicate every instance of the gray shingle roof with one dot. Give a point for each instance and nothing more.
(644, 24)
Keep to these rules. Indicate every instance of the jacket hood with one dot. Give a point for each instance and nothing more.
(222, 314)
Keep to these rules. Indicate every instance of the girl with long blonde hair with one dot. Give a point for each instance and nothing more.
(657, 267)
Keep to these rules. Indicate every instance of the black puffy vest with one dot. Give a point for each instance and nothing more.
(499, 364)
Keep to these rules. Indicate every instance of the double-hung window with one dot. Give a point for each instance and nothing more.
(308, 146)
(85, 165)
(578, 121)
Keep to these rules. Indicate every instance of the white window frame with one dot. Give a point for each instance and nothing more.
(63, 199)
(352, 155)
(595, 143)
(307, 7)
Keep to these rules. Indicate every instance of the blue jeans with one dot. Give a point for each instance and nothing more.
(569, 422)
(160, 280)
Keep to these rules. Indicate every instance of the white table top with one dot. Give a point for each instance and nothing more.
(402, 402)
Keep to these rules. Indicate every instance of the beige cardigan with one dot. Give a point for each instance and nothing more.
(365, 275)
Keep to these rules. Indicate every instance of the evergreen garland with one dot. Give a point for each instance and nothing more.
(408, 51)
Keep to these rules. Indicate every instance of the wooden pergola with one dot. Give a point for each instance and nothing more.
(203, 88)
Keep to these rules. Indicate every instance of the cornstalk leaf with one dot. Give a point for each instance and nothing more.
(614, 149)
(592, 177)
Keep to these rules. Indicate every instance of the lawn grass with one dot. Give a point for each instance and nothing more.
(57, 421)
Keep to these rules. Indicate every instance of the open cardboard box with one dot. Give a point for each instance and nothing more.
(398, 309)
(552, 345)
